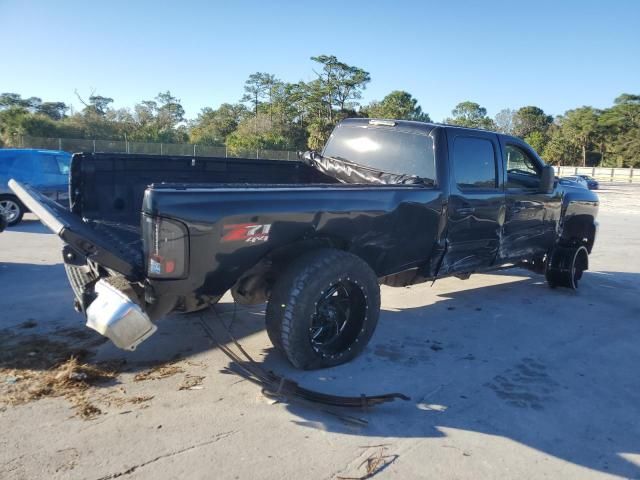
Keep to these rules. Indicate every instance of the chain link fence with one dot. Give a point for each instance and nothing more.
(119, 146)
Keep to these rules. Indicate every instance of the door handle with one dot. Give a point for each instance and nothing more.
(465, 210)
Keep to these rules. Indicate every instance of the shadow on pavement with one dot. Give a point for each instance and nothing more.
(549, 369)
(28, 225)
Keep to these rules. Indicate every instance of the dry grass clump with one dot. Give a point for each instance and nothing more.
(70, 379)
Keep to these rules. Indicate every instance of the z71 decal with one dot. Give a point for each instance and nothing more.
(246, 232)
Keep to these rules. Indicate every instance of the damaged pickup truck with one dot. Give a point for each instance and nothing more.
(391, 202)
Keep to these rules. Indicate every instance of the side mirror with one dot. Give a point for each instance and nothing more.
(548, 179)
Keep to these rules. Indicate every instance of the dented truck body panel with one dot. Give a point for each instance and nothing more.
(243, 220)
(391, 228)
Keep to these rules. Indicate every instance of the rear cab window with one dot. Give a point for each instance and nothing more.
(387, 149)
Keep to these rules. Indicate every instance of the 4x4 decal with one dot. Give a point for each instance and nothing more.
(246, 232)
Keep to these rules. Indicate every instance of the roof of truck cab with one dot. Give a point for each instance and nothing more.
(406, 125)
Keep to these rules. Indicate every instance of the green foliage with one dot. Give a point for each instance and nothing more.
(281, 115)
(10, 100)
(581, 127)
(212, 127)
(537, 140)
(257, 132)
(527, 120)
(559, 150)
(339, 83)
(319, 132)
(398, 105)
(471, 115)
(620, 131)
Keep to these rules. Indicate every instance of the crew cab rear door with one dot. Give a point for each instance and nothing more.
(476, 201)
(77, 234)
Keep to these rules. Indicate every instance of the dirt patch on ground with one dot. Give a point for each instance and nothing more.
(58, 365)
(70, 379)
(158, 372)
(54, 365)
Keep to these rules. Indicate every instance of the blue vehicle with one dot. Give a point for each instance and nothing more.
(45, 170)
(592, 183)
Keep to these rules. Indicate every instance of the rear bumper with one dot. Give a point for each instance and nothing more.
(114, 315)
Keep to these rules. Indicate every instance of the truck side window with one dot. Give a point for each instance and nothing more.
(522, 171)
(474, 161)
(63, 164)
(56, 164)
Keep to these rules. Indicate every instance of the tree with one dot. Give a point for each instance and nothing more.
(340, 83)
(213, 126)
(170, 112)
(256, 133)
(9, 100)
(504, 121)
(97, 104)
(472, 115)
(261, 86)
(254, 90)
(580, 126)
(53, 110)
(537, 140)
(620, 132)
(559, 150)
(398, 105)
(527, 120)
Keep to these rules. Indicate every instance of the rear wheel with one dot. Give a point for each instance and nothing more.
(12, 209)
(324, 309)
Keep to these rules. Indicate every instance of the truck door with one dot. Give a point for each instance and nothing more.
(531, 215)
(476, 202)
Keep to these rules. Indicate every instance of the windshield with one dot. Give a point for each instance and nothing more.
(385, 149)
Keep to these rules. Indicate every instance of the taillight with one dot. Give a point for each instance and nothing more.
(165, 247)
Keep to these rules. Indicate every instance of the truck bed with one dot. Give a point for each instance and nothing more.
(109, 188)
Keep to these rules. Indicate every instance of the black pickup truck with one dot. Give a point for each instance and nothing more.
(391, 202)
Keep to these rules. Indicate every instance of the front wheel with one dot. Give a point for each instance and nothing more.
(324, 309)
(566, 265)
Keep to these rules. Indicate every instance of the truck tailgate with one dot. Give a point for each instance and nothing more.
(105, 250)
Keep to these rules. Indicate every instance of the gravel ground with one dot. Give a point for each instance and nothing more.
(507, 378)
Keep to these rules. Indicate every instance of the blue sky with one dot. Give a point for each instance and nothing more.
(553, 54)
